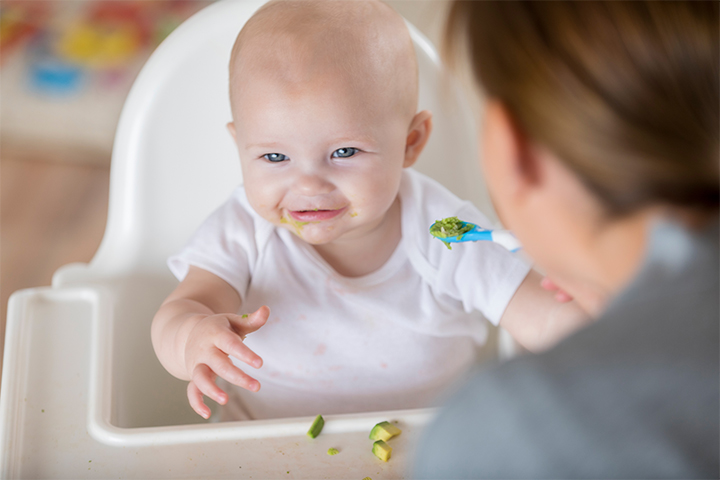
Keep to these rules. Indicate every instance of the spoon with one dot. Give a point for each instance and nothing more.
(451, 230)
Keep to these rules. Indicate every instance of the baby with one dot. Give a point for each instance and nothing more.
(330, 229)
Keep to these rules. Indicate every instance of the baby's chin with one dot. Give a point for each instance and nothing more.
(311, 232)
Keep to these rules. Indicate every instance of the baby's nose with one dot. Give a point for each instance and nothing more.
(311, 184)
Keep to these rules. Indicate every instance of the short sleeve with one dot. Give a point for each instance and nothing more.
(224, 245)
(482, 276)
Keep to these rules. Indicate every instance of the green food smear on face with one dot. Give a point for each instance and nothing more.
(292, 222)
(333, 451)
(450, 227)
(244, 315)
(298, 225)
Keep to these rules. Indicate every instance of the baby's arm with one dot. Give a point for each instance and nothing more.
(536, 320)
(193, 334)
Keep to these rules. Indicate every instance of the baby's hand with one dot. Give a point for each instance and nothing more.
(590, 299)
(560, 295)
(210, 342)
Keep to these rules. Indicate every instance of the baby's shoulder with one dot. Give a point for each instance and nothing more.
(424, 200)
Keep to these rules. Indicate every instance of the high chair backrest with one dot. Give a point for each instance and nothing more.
(174, 161)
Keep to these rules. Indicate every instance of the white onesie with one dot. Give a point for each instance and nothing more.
(389, 340)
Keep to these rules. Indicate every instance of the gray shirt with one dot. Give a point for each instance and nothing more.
(635, 395)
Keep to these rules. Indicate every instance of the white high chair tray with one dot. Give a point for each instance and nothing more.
(56, 423)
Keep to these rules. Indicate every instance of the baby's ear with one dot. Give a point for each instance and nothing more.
(231, 128)
(418, 135)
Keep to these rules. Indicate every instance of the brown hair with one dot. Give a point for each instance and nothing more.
(625, 93)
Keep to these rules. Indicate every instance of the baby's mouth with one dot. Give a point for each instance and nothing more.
(316, 215)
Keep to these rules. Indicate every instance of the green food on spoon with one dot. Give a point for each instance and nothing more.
(316, 427)
(449, 227)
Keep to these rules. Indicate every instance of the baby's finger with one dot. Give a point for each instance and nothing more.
(548, 284)
(562, 296)
(195, 397)
(204, 379)
(223, 366)
(232, 345)
(246, 325)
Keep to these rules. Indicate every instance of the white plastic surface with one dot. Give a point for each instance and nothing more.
(83, 395)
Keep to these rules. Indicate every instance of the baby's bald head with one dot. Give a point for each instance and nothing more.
(363, 45)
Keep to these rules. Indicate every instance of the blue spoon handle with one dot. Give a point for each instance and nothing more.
(502, 237)
(476, 234)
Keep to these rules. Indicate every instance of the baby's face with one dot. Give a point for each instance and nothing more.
(321, 158)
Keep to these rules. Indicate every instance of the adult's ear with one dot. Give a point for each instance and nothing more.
(231, 128)
(417, 137)
(510, 157)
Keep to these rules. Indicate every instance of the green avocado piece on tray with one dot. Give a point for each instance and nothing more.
(316, 427)
(384, 431)
(382, 450)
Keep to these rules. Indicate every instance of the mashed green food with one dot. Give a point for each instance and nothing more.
(449, 227)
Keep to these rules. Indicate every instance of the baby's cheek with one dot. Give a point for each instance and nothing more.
(385, 192)
(263, 206)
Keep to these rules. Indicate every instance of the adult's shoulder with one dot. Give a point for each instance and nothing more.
(635, 395)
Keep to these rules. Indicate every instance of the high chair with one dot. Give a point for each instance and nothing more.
(83, 395)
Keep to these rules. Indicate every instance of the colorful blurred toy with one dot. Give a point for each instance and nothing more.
(99, 42)
(19, 22)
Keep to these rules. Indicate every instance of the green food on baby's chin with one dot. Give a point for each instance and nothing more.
(316, 427)
(449, 227)
(297, 223)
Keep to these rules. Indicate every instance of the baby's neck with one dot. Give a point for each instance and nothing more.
(363, 255)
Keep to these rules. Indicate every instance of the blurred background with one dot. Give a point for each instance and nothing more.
(66, 67)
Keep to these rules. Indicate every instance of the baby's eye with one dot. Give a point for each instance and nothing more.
(275, 157)
(345, 152)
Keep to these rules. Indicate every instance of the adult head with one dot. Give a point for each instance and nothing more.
(600, 116)
(601, 153)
